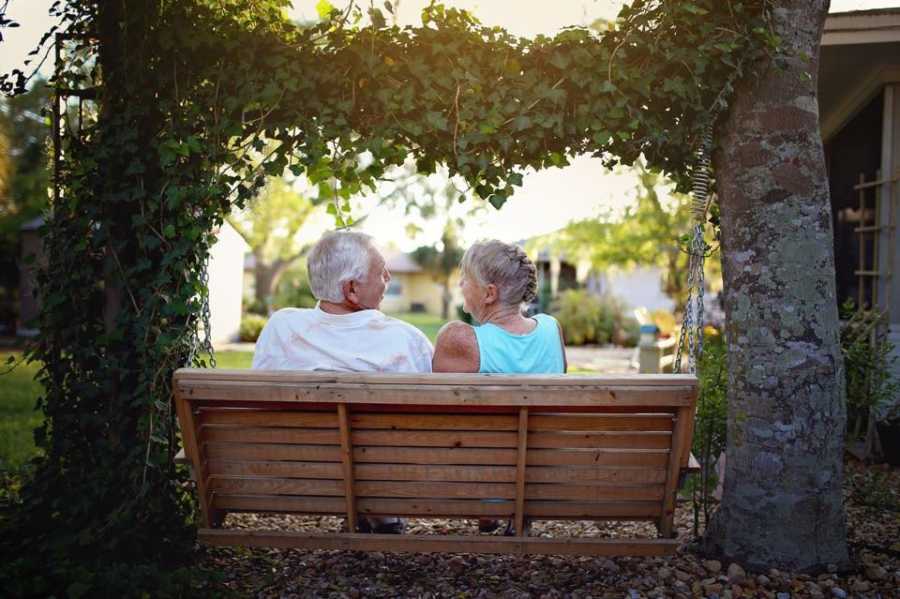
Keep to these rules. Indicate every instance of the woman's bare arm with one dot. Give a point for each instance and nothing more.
(562, 340)
(456, 349)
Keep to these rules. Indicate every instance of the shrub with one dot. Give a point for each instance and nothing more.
(587, 318)
(867, 365)
(257, 307)
(628, 332)
(251, 326)
(710, 423)
(293, 290)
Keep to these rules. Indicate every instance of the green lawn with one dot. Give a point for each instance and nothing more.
(19, 392)
(427, 323)
(18, 418)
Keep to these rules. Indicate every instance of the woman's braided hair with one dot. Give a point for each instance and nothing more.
(505, 265)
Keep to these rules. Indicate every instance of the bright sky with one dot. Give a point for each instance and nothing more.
(548, 199)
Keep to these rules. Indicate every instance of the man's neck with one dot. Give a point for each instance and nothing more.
(339, 308)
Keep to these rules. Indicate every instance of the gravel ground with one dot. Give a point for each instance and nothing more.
(874, 533)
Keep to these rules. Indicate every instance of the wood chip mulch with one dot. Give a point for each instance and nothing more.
(873, 509)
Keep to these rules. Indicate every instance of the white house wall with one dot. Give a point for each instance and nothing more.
(640, 287)
(226, 273)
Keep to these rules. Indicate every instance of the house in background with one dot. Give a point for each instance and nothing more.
(225, 272)
(859, 112)
(226, 284)
(639, 287)
(412, 289)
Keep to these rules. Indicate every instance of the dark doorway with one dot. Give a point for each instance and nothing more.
(853, 152)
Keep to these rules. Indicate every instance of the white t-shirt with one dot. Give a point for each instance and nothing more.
(364, 341)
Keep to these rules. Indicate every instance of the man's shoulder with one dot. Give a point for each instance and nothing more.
(289, 318)
(291, 313)
(397, 327)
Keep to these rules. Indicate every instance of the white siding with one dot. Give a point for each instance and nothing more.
(226, 273)
(640, 287)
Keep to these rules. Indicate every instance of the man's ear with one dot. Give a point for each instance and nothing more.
(348, 288)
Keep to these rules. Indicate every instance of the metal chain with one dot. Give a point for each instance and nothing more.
(203, 343)
(692, 323)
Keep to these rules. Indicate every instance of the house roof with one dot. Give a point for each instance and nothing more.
(400, 262)
(880, 25)
(860, 54)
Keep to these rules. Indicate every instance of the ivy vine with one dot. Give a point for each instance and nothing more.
(196, 103)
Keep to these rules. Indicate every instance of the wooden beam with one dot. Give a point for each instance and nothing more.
(347, 463)
(301, 391)
(681, 443)
(522, 456)
(439, 543)
(427, 381)
(192, 450)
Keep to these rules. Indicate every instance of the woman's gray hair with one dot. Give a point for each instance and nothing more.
(505, 265)
(338, 257)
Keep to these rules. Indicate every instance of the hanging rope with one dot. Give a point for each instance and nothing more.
(692, 323)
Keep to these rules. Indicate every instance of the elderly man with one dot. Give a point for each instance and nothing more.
(345, 331)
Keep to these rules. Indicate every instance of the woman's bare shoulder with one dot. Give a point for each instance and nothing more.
(456, 348)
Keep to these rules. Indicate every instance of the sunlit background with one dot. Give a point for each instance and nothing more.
(547, 201)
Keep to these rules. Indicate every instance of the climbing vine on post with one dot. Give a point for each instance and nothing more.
(199, 101)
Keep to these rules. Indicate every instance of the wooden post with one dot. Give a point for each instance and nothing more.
(189, 432)
(520, 472)
(648, 351)
(860, 280)
(347, 462)
(876, 236)
(681, 439)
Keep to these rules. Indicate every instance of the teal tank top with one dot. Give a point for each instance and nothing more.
(537, 352)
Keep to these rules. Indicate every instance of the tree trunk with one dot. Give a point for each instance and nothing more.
(264, 276)
(782, 504)
(446, 297)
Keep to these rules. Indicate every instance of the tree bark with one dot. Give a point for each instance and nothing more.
(782, 504)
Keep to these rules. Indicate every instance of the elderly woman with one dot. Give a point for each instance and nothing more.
(497, 279)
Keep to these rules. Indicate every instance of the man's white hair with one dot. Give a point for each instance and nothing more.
(338, 257)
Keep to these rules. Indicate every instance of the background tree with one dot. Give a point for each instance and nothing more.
(441, 261)
(649, 233)
(187, 87)
(24, 182)
(270, 225)
(782, 504)
(433, 202)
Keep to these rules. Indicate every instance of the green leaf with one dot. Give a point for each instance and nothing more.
(436, 120)
(560, 61)
(169, 231)
(497, 200)
(76, 590)
(694, 9)
(378, 20)
(324, 8)
(522, 122)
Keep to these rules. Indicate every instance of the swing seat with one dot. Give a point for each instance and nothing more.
(521, 447)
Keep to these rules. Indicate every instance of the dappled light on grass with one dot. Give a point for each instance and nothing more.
(18, 418)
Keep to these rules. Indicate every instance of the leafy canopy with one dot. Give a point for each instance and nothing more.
(197, 103)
